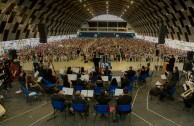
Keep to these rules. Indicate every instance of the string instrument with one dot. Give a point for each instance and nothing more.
(13, 69)
(55, 78)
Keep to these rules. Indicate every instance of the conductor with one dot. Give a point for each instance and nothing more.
(96, 60)
(171, 63)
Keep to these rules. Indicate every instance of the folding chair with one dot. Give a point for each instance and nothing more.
(102, 109)
(79, 108)
(124, 110)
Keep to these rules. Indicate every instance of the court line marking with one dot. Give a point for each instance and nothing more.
(158, 113)
(138, 92)
(23, 113)
(134, 103)
(142, 119)
(40, 119)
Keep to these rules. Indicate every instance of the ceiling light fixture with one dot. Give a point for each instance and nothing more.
(84, 5)
(131, 2)
(106, 2)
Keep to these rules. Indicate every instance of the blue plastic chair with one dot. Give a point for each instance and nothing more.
(79, 108)
(102, 109)
(112, 89)
(28, 93)
(142, 78)
(109, 77)
(80, 88)
(60, 87)
(47, 84)
(62, 77)
(130, 88)
(95, 78)
(58, 106)
(124, 110)
(133, 80)
(97, 90)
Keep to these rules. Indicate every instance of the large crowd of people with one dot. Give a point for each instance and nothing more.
(115, 48)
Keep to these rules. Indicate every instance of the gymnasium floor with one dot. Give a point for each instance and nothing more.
(146, 112)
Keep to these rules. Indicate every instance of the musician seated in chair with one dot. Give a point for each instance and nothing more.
(69, 71)
(107, 71)
(130, 73)
(175, 74)
(67, 82)
(80, 82)
(58, 96)
(167, 86)
(189, 100)
(79, 99)
(114, 82)
(99, 82)
(32, 85)
(123, 99)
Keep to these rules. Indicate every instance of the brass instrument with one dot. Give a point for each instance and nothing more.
(187, 93)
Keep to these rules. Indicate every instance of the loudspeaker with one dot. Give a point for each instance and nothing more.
(12, 54)
(157, 52)
(162, 34)
(190, 55)
(42, 33)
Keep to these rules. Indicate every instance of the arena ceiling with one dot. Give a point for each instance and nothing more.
(19, 18)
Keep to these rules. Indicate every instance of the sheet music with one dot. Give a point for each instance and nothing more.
(163, 77)
(39, 79)
(68, 91)
(84, 92)
(118, 92)
(36, 74)
(158, 83)
(118, 78)
(72, 77)
(90, 93)
(61, 71)
(185, 87)
(90, 70)
(65, 90)
(105, 78)
(84, 77)
(75, 70)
